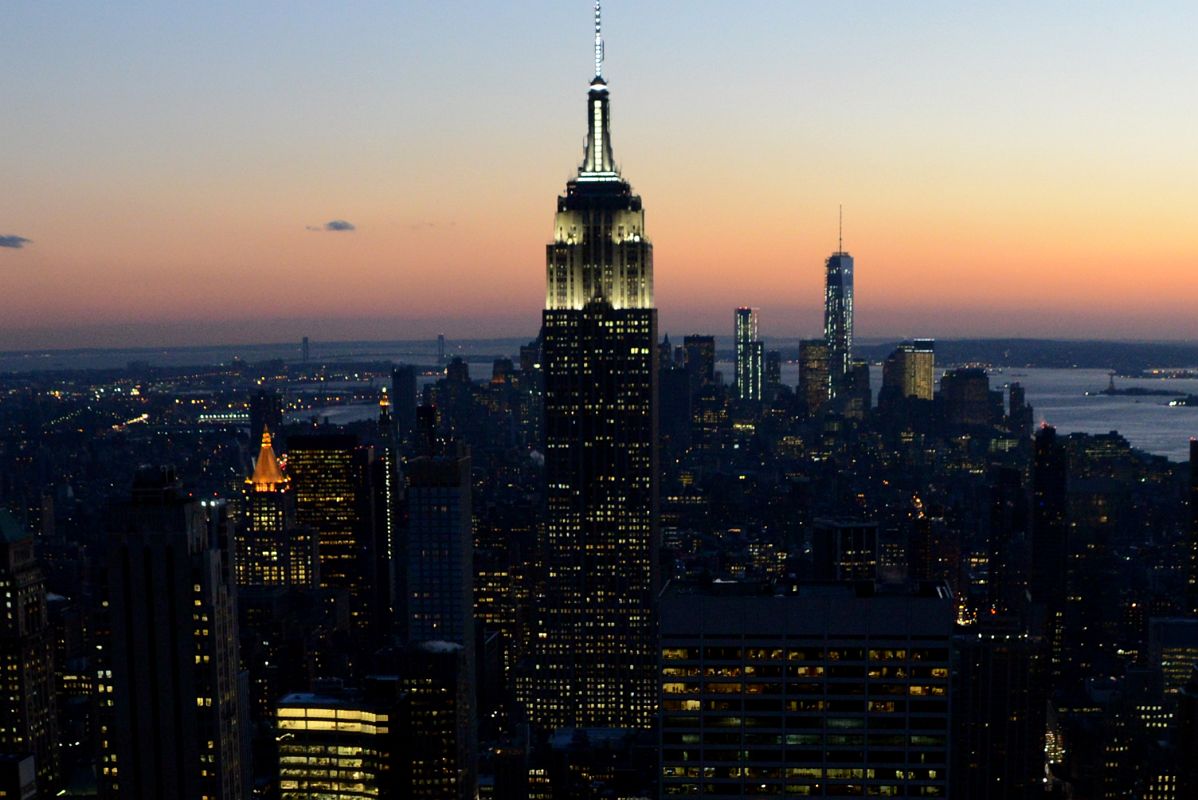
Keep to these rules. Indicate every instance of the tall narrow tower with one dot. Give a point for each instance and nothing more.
(838, 317)
(750, 356)
(594, 659)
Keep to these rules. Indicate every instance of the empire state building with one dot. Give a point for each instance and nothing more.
(593, 657)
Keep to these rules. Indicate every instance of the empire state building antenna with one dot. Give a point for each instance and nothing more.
(598, 40)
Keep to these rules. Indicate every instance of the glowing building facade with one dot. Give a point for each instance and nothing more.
(593, 657)
(838, 318)
(342, 743)
(271, 551)
(330, 474)
(750, 356)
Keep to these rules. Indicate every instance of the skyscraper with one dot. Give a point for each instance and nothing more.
(750, 356)
(271, 550)
(700, 360)
(175, 699)
(438, 564)
(403, 402)
(765, 693)
(27, 709)
(838, 317)
(594, 657)
(345, 743)
(266, 412)
(331, 478)
(1192, 573)
(966, 396)
(813, 375)
(1050, 503)
(909, 371)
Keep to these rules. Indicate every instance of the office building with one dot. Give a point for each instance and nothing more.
(1007, 543)
(404, 401)
(700, 360)
(18, 777)
(965, 394)
(909, 372)
(750, 356)
(1050, 527)
(999, 702)
(814, 387)
(844, 550)
(330, 475)
(272, 550)
(28, 721)
(1173, 650)
(773, 373)
(594, 658)
(337, 742)
(438, 563)
(176, 710)
(833, 690)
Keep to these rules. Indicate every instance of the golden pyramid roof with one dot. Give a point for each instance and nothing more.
(267, 477)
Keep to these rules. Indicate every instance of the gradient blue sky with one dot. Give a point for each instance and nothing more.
(1012, 168)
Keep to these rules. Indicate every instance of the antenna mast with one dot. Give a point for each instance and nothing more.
(598, 41)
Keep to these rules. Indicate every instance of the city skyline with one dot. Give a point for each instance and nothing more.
(169, 167)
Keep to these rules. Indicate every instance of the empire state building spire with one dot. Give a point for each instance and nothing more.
(598, 162)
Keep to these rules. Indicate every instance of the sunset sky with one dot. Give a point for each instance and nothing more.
(168, 170)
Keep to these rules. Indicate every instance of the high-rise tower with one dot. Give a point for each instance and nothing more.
(176, 714)
(750, 356)
(271, 550)
(1191, 599)
(27, 716)
(594, 656)
(838, 317)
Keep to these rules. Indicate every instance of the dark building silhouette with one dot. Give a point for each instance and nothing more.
(813, 375)
(439, 571)
(999, 702)
(773, 373)
(838, 319)
(176, 711)
(1007, 542)
(965, 396)
(700, 360)
(1191, 598)
(1185, 738)
(1050, 503)
(1019, 414)
(266, 413)
(594, 657)
(844, 550)
(675, 411)
(404, 401)
(28, 716)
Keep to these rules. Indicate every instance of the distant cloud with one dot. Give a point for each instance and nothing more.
(16, 242)
(333, 225)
